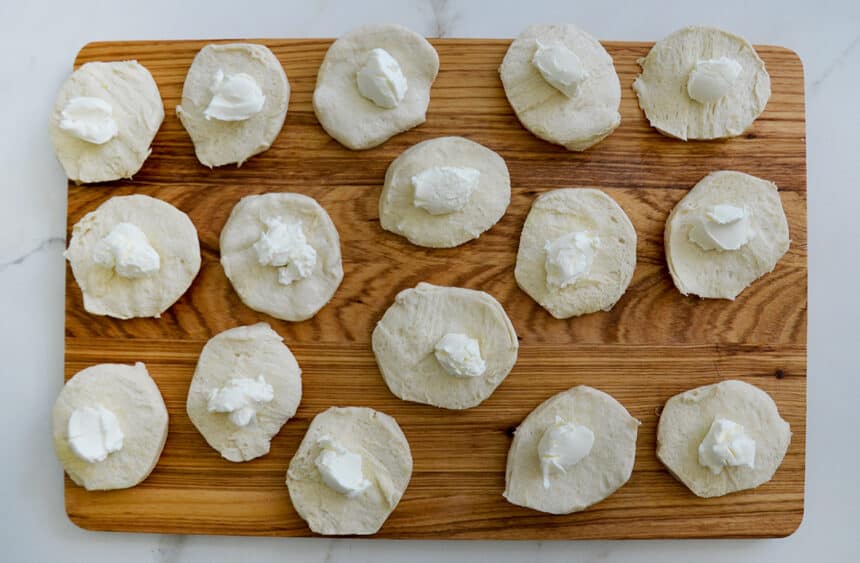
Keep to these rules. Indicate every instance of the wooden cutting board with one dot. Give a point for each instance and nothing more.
(653, 344)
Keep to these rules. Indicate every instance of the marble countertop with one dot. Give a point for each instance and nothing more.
(39, 43)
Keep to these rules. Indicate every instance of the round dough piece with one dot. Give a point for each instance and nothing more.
(169, 231)
(576, 123)
(686, 420)
(350, 118)
(558, 212)
(133, 397)
(599, 474)
(137, 109)
(219, 142)
(258, 285)
(662, 86)
(724, 274)
(386, 463)
(487, 204)
(245, 351)
(405, 337)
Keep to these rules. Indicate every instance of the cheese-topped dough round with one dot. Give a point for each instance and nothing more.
(444, 346)
(104, 120)
(697, 262)
(281, 252)
(571, 487)
(247, 384)
(364, 443)
(362, 60)
(444, 192)
(134, 256)
(134, 406)
(581, 108)
(702, 83)
(687, 418)
(234, 102)
(577, 252)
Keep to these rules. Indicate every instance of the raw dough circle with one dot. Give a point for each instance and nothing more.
(137, 109)
(724, 274)
(686, 419)
(353, 120)
(258, 285)
(224, 142)
(487, 204)
(169, 231)
(559, 212)
(133, 397)
(245, 351)
(405, 337)
(662, 86)
(576, 123)
(602, 472)
(386, 462)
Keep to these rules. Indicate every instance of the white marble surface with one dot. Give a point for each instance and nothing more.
(39, 41)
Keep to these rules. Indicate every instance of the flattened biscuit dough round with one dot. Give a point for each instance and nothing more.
(405, 337)
(686, 420)
(133, 397)
(219, 142)
(599, 474)
(576, 123)
(724, 274)
(245, 351)
(169, 231)
(487, 204)
(558, 212)
(350, 118)
(137, 109)
(386, 463)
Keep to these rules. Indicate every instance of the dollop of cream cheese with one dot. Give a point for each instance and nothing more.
(569, 257)
(721, 227)
(94, 433)
(726, 444)
(711, 79)
(284, 246)
(235, 97)
(560, 67)
(460, 355)
(340, 468)
(127, 250)
(381, 79)
(89, 119)
(444, 189)
(563, 445)
(241, 397)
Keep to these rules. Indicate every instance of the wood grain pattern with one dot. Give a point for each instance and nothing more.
(653, 344)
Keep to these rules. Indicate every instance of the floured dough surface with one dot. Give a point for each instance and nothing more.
(169, 231)
(219, 142)
(133, 397)
(386, 463)
(599, 474)
(405, 337)
(576, 123)
(353, 120)
(137, 109)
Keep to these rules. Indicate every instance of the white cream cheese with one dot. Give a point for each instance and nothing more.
(340, 468)
(722, 227)
(460, 355)
(726, 444)
(711, 79)
(89, 119)
(283, 245)
(569, 257)
(127, 250)
(444, 189)
(94, 432)
(563, 445)
(381, 79)
(235, 97)
(560, 67)
(241, 397)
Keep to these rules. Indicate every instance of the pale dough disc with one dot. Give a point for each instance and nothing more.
(576, 123)
(405, 337)
(353, 120)
(662, 86)
(724, 274)
(398, 213)
(169, 231)
(559, 212)
(245, 351)
(137, 109)
(133, 397)
(603, 471)
(686, 419)
(224, 142)
(386, 463)
(258, 285)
